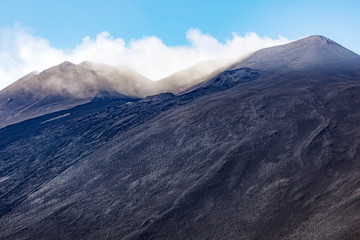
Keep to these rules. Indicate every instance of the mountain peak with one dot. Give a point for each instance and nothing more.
(316, 40)
(65, 65)
(313, 54)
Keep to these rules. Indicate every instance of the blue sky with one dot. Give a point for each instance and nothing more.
(65, 23)
(158, 37)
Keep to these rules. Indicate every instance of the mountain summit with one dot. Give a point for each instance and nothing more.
(313, 54)
(65, 86)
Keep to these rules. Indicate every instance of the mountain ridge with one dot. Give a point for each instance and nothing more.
(68, 85)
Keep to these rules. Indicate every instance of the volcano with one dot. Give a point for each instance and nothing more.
(267, 148)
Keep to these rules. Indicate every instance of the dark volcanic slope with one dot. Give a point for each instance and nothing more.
(248, 155)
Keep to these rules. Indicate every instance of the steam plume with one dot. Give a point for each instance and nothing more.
(22, 52)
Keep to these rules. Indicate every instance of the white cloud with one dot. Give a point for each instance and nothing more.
(21, 52)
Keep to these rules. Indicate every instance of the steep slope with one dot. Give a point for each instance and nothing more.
(250, 154)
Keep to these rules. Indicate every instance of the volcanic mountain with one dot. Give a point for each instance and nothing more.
(268, 148)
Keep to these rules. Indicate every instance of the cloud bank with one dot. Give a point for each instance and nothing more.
(22, 52)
